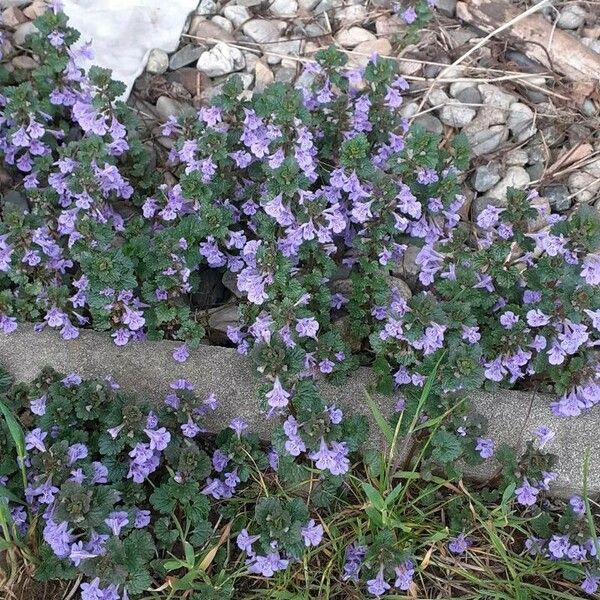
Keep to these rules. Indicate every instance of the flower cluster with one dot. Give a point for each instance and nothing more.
(112, 480)
(310, 198)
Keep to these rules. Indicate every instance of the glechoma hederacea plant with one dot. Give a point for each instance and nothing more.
(310, 195)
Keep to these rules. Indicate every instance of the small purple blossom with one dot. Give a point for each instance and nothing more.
(238, 425)
(378, 585)
(526, 494)
(116, 521)
(485, 447)
(181, 353)
(459, 544)
(312, 533)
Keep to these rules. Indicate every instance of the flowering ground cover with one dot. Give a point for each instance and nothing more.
(310, 196)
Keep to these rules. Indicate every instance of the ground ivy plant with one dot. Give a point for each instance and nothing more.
(311, 196)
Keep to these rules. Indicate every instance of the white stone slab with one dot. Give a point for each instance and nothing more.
(123, 32)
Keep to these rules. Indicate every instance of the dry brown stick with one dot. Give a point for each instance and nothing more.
(537, 38)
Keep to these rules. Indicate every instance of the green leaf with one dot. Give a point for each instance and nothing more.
(189, 554)
(381, 421)
(393, 495)
(373, 495)
(446, 446)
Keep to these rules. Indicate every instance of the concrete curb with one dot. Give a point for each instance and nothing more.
(147, 368)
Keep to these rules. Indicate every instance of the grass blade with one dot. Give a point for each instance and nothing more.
(16, 432)
(381, 421)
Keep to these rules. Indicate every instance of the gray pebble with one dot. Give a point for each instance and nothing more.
(158, 61)
(486, 176)
(430, 123)
(470, 95)
(558, 196)
(185, 56)
(487, 140)
(536, 170)
(446, 7)
(456, 115)
(571, 16)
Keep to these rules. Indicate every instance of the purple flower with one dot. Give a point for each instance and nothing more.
(190, 429)
(181, 353)
(100, 473)
(531, 297)
(238, 425)
(307, 327)
(544, 435)
(578, 505)
(536, 318)
(244, 541)
(558, 546)
(78, 553)
(494, 370)
(277, 397)
(590, 584)
(326, 366)
(312, 534)
(38, 406)
(485, 447)
(142, 518)
(404, 575)
(35, 439)
(58, 537)
(219, 460)
(594, 316)
(509, 319)
(77, 452)
(355, 555)
(409, 16)
(591, 269)
(159, 438)
(378, 585)
(526, 494)
(46, 492)
(116, 521)
(72, 380)
(92, 591)
(267, 565)
(489, 216)
(335, 414)
(7, 324)
(470, 334)
(459, 544)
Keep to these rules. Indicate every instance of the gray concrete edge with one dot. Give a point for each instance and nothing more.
(147, 368)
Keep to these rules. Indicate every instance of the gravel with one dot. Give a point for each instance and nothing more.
(221, 60)
(571, 17)
(283, 8)
(515, 177)
(486, 176)
(236, 14)
(470, 95)
(186, 55)
(166, 107)
(430, 123)
(263, 31)
(158, 61)
(446, 7)
(353, 36)
(485, 141)
(455, 114)
(209, 32)
(558, 196)
(23, 31)
(494, 96)
(521, 122)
